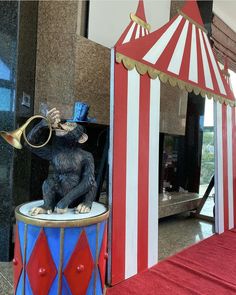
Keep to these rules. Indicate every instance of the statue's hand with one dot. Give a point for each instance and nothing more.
(54, 117)
(83, 208)
(60, 210)
(39, 210)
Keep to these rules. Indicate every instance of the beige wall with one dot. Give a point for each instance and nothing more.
(108, 19)
(56, 46)
(70, 67)
(92, 78)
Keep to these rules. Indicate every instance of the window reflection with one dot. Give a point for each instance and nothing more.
(6, 99)
(7, 88)
(5, 72)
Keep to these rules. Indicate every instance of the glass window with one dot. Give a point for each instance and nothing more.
(6, 99)
(5, 73)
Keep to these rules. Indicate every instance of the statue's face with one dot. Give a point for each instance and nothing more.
(65, 128)
(71, 132)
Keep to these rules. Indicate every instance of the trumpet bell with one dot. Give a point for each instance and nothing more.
(13, 138)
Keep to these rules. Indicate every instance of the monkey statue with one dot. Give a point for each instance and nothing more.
(72, 178)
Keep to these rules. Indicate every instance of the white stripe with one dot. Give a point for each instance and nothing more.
(155, 52)
(129, 34)
(153, 186)
(176, 60)
(137, 35)
(147, 32)
(219, 195)
(132, 174)
(110, 156)
(214, 64)
(230, 167)
(143, 33)
(207, 73)
(193, 70)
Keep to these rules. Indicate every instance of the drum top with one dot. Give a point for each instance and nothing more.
(97, 214)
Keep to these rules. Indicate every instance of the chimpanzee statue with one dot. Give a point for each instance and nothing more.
(72, 177)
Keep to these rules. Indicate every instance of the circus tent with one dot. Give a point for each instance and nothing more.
(179, 53)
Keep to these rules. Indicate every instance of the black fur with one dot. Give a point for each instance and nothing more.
(72, 179)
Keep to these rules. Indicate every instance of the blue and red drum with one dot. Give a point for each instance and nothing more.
(60, 254)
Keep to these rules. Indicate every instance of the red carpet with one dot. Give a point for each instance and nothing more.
(208, 267)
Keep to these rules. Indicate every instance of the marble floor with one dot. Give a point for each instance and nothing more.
(175, 233)
(180, 231)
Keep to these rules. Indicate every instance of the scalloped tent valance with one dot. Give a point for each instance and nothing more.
(179, 52)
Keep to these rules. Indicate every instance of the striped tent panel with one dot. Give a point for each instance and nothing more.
(184, 41)
(225, 143)
(137, 27)
(134, 31)
(134, 231)
(181, 51)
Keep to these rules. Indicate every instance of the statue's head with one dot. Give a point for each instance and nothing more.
(72, 132)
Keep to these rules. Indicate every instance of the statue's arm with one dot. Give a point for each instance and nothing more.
(84, 186)
(34, 136)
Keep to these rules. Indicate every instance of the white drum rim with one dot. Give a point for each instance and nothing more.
(59, 223)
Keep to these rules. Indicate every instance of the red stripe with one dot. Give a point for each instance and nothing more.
(201, 79)
(165, 58)
(119, 174)
(134, 33)
(225, 167)
(184, 69)
(143, 168)
(234, 160)
(216, 88)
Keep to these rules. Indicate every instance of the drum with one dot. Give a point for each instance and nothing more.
(60, 254)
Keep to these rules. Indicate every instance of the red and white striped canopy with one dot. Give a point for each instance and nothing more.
(179, 52)
(229, 88)
(138, 27)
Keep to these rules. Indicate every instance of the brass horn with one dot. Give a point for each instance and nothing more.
(14, 137)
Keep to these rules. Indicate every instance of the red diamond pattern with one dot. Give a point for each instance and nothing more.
(17, 261)
(80, 267)
(103, 257)
(41, 268)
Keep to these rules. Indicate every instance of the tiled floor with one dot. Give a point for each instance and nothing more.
(175, 233)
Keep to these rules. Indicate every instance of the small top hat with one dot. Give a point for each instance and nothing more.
(81, 110)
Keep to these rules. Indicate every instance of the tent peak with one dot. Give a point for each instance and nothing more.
(226, 76)
(140, 21)
(191, 11)
(140, 12)
(139, 16)
(225, 71)
(138, 27)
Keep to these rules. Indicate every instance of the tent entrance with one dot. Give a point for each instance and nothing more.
(183, 181)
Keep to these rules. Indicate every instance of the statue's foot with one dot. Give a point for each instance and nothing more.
(39, 210)
(61, 211)
(82, 208)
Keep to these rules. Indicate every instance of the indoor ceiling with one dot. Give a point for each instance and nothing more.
(225, 9)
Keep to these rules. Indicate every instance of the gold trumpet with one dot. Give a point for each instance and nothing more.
(14, 137)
